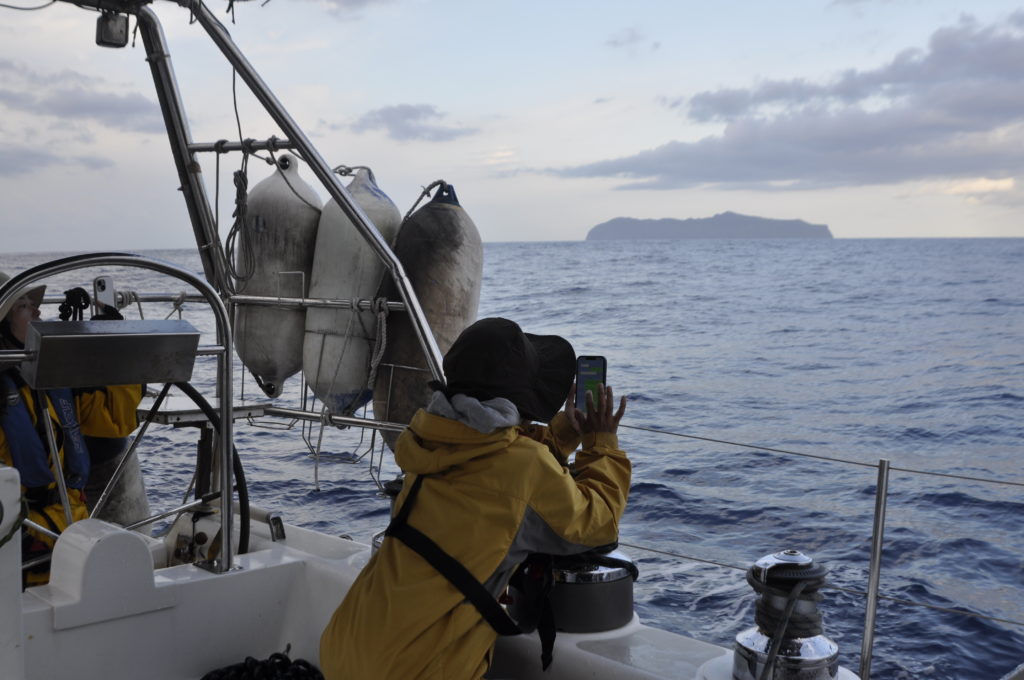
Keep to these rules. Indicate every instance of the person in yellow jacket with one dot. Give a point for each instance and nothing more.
(100, 412)
(481, 486)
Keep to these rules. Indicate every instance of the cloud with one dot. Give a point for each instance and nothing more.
(18, 160)
(348, 9)
(982, 185)
(351, 4)
(952, 109)
(73, 96)
(405, 122)
(631, 40)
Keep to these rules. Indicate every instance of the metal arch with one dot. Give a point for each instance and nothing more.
(220, 36)
(224, 367)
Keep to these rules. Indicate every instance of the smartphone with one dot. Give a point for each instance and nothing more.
(590, 372)
(103, 293)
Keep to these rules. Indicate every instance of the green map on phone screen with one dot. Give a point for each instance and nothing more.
(590, 376)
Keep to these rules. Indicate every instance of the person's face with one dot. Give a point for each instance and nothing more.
(22, 313)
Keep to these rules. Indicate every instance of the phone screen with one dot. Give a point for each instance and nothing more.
(590, 372)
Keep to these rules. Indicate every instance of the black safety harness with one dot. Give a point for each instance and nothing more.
(466, 583)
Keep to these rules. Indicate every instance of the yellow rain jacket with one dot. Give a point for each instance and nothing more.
(107, 412)
(488, 500)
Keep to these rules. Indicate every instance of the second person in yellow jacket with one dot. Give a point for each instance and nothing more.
(101, 413)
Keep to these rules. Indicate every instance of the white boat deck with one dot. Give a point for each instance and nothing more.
(112, 611)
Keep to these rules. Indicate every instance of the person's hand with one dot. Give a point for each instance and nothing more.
(109, 314)
(573, 414)
(599, 417)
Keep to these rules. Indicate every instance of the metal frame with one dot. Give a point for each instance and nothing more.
(216, 288)
(189, 173)
(222, 352)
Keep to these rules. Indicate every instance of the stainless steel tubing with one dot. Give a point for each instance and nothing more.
(189, 173)
(364, 305)
(322, 170)
(224, 368)
(51, 442)
(41, 529)
(14, 356)
(875, 568)
(175, 511)
(312, 417)
(251, 144)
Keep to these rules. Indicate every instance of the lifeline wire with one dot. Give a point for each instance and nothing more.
(852, 591)
(828, 458)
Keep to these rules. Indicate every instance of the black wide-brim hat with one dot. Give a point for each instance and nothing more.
(495, 358)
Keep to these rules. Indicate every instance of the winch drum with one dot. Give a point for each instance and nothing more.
(589, 597)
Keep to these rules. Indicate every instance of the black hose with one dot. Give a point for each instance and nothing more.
(236, 464)
(796, 583)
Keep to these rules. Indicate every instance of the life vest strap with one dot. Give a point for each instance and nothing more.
(449, 567)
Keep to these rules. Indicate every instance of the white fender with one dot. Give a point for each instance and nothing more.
(440, 249)
(281, 224)
(339, 342)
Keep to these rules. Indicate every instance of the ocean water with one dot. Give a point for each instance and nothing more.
(854, 350)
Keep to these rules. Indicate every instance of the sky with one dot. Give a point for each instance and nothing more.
(879, 118)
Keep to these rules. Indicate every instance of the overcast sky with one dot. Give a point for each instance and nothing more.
(879, 118)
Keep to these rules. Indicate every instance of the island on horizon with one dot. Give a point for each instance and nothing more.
(722, 225)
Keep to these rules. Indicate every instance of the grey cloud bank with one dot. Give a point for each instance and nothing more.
(74, 96)
(954, 109)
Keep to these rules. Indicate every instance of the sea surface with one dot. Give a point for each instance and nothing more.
(852, 351)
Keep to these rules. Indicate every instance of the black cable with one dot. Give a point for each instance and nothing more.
(236, 464)
(780, 632)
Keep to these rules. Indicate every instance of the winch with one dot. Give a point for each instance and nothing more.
(787, 643)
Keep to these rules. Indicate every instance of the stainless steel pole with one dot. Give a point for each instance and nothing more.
(322, 170)
(875, 568)
(189, 172)
(51, 441)
(294, 302)
(309, 416)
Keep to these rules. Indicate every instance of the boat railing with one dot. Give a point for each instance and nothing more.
(871, 594)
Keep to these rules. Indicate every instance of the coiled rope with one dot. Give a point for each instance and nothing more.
(76, 301)
(380, 309)
(277, 667)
